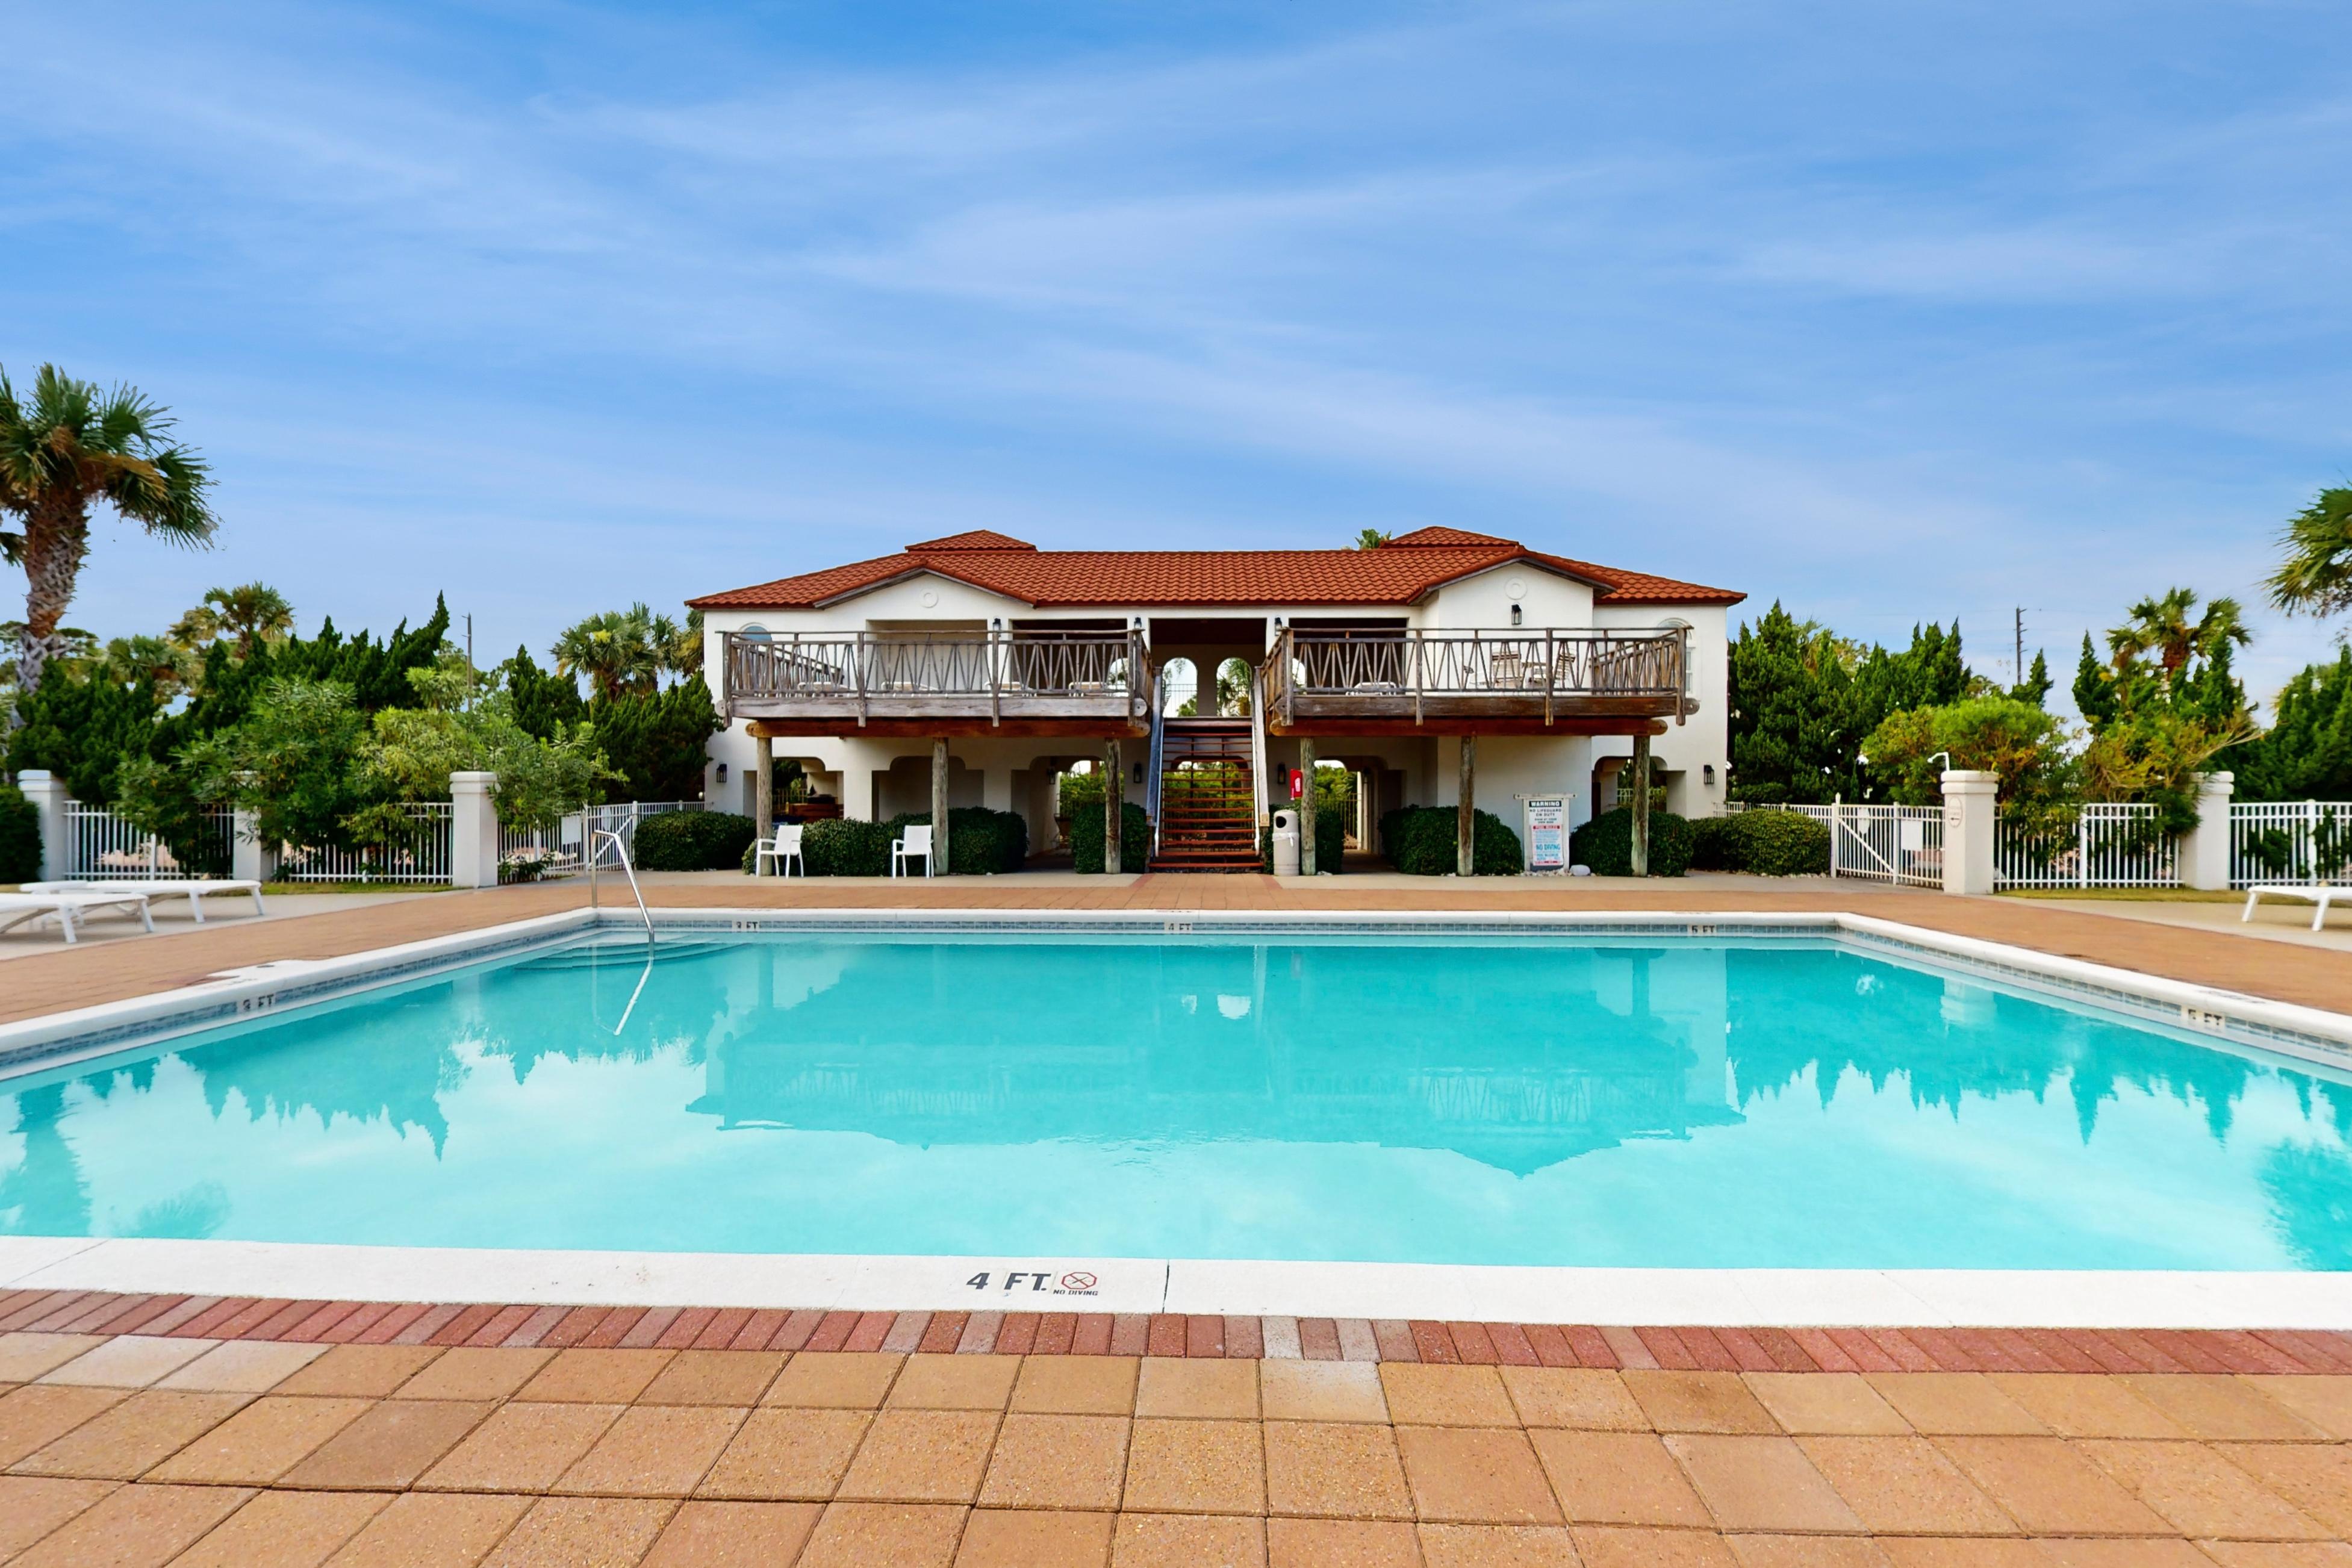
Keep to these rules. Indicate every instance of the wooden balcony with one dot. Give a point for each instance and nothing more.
(893, 683)
(1515, 681)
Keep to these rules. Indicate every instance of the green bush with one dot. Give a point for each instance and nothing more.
(1330, 840)
(1418, 841)
(980, 842)
(1606, 844)
(1134, 840)
(1779, 844)
(20, 837)
(1712, 845)
(692, 841)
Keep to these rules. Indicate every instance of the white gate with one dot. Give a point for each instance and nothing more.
(2110, 844)
(2305, 841)
(1899, 844)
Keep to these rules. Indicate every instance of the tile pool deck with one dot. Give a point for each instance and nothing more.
(191, 1448)
(154, 1429)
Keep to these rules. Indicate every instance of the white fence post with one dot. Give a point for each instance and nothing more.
(48, 793)
(249, 859)
(2204, 852)
(473, 831)
(1970, 808)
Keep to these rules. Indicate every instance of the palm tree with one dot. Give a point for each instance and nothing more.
(1372, 539)
(72, 444)
(618, 651)
(682, 648)
(2316, 575)
(252, 613)
(2162, 626)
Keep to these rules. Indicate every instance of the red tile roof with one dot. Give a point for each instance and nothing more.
(1398, 572)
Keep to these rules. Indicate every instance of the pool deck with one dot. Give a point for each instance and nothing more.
(142, 1429)
(688, 1439)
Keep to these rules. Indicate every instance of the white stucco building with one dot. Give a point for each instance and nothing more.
(1023, 661)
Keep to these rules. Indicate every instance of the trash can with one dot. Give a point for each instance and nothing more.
(1286, 844)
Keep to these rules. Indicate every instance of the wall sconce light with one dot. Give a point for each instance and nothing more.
(1138, 773)
(1706, 774)
(722, 773)
(1518, 615)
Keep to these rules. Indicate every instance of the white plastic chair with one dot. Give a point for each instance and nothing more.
(916, 842)
(785, 849)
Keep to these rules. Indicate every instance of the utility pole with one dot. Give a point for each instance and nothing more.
(2021, 647)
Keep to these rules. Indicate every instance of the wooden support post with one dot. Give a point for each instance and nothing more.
(1466, 817)
(1640, 772)
(1114, 805)
(939, 809)
(763, 776)
(1306, 809)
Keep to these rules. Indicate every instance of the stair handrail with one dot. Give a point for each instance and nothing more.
(1159, 752)
(621, 848)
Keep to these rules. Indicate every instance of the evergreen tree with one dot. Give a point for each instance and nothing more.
(542, 700)
(655, 740)
(2095, 689)
(2307, 753)
(2034, 689)
(1792, 709)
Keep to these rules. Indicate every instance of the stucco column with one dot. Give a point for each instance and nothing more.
(48, 793)
(249, 859)
(473, 830)
(1971, 805)
(2204, 850)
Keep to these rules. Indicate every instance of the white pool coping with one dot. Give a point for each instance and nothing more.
(1727, 1298)
(1629, 1297)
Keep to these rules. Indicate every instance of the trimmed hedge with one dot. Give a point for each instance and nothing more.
(692, 841)
(980, 842)
(1780, 844)
(1330, 842)
(1767, 843)
(20, 837)
(1419, 841)
(1606, 844)
(1134, 840)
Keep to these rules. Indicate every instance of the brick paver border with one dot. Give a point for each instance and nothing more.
(1825, 1349)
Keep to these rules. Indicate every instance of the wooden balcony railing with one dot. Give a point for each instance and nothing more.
(996, 675)
(1420, 675)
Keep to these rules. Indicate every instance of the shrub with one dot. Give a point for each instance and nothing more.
(1330, 840)
(837, 847)
(1713, 847)
(980, 842)
(1777, 844)
(1419, 841)
(20, 837)
(692, 841)
(1606, 844)
(1134, 840)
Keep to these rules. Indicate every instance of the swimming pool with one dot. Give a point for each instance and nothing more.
(1742, 1101)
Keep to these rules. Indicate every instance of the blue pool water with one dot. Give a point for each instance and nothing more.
(1788, 1103)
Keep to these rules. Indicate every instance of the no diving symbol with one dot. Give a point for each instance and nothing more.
(1080, 1281)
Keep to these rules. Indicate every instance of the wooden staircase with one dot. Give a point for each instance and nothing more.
(1208, 799)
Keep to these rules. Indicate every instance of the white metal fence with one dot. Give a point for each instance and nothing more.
(417, 852)
(2110, 844)
(2300, 841)
(102, 845)
(556, 849)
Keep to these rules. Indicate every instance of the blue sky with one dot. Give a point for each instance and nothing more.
(1893, 312)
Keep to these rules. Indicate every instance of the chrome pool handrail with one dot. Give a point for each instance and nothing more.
(622, 849)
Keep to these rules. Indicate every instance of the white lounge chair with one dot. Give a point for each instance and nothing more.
(193, 888)
(2320, 896)
(15, 908)
(785, 849)
(916, 842)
